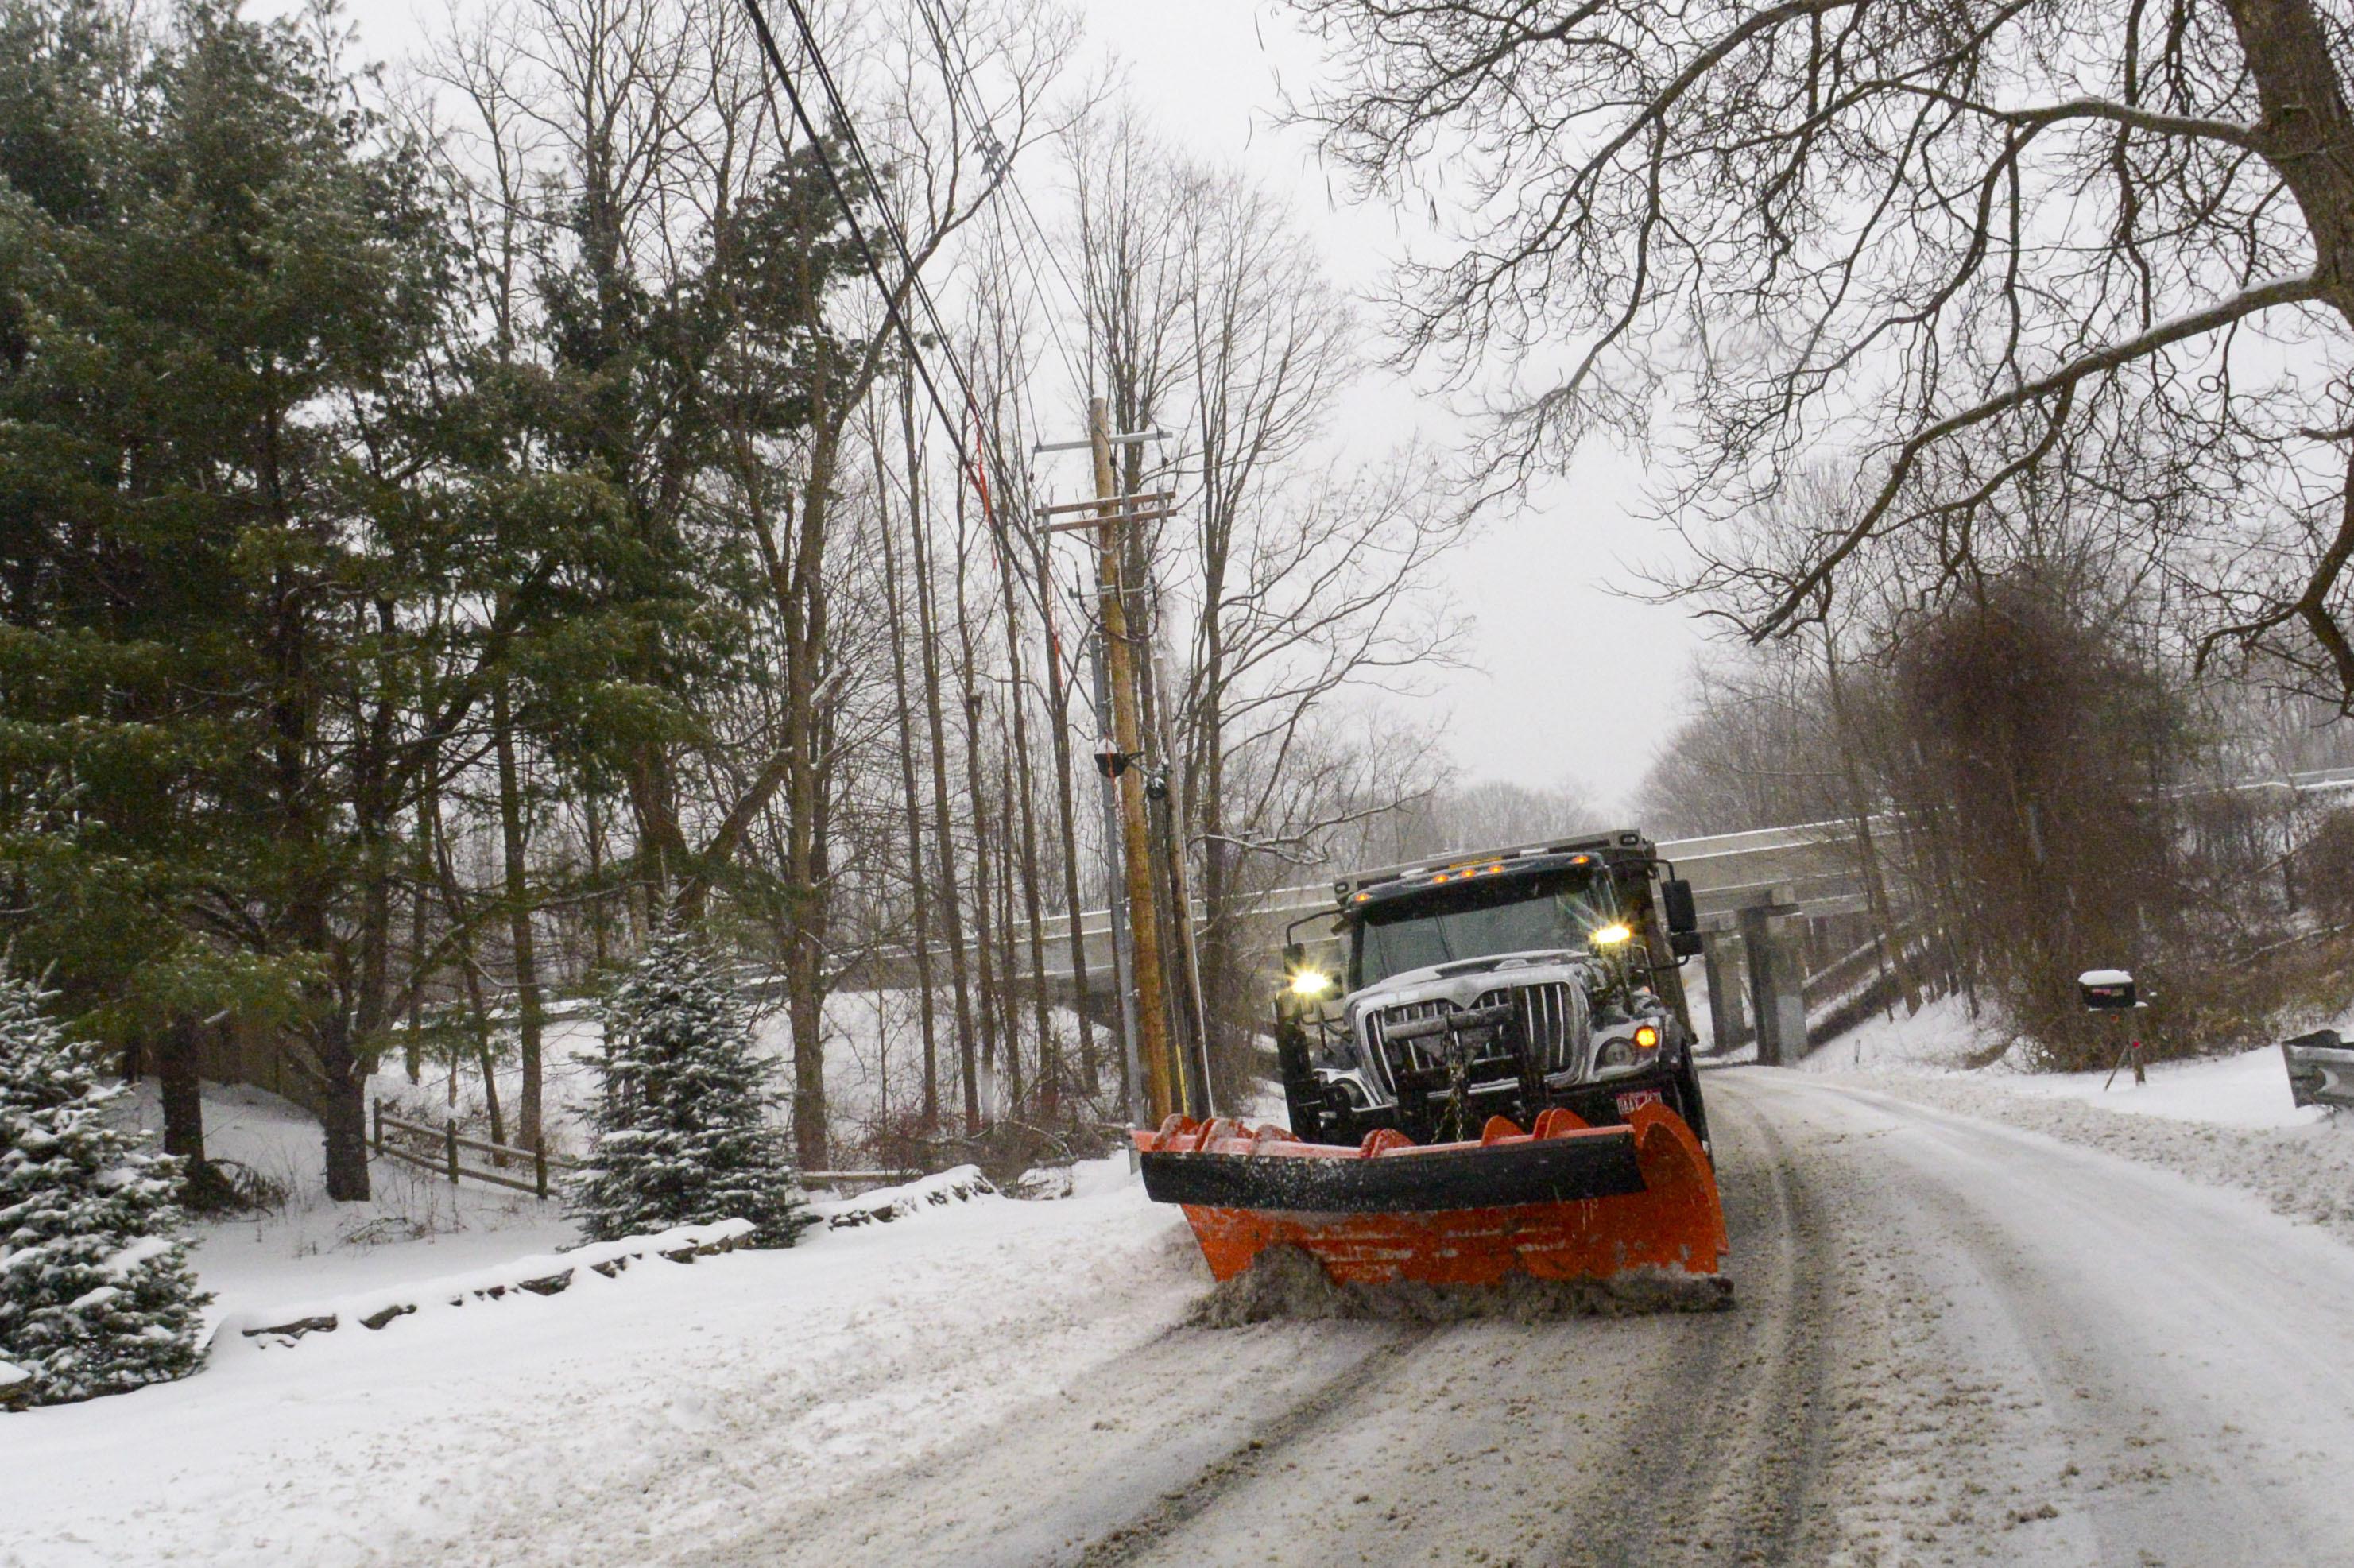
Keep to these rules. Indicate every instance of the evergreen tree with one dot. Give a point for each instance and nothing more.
(95, 1292)
(683, 1135)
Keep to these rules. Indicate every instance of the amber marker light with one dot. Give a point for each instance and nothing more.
(1647, 1038)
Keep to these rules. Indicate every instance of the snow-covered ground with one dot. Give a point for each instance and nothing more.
(606, 1423)
(1956, 1337)
(2246, 1088)
(414, 1226)
(2224, 1121)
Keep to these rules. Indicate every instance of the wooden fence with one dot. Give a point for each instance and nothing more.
(440, 1150)
(413, 1139)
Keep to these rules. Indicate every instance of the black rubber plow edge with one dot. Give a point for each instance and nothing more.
(1549, 1170)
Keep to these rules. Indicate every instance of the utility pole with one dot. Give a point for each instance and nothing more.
(1123, 960)
(1122, 760)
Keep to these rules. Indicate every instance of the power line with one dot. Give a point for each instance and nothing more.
(850, 211)
(970, 465)
(962, 80)
(892, 229)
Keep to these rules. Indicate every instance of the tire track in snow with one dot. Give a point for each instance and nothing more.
(1113, 1445)
(2195, 1397)
(1733, 1441)
(1264, 1448)
(1582, 1441)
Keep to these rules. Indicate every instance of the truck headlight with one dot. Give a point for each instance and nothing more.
(1623, 1052)
(1311, 982)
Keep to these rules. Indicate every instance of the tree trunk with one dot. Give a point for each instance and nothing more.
(178, 1078)
(944, 821)
(592, 819)
(529, 1017)
(984, 908)
(1009, 962)
(1066, 811)
(1024, 785)
(343, 1109)
(918, 886)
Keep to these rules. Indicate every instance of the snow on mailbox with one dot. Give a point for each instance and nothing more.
(2105, 990)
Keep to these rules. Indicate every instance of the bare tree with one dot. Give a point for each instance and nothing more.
(1964, 243)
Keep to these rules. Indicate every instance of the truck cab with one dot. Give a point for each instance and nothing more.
(1508, 983)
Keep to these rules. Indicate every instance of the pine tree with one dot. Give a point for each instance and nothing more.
(96, 1296)
(683, 1134)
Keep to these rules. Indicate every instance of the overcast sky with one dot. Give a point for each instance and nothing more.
(1573, 683)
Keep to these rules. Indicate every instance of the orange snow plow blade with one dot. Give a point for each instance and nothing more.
(1566, 1202)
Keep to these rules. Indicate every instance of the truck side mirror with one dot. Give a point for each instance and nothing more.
(1686, 944)
(1676, 906)
(1295, 957)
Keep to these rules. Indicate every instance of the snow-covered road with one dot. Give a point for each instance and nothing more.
(1954, 1343)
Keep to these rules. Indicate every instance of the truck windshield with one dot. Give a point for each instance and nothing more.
(1480, 920)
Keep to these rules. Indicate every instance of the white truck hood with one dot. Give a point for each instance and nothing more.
(1464, 981)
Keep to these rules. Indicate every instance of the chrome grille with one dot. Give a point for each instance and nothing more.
(1549, 1014)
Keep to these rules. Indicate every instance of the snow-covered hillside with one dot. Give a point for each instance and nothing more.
(873, 1068)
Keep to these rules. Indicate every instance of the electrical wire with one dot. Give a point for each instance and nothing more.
(970, 465)
(958, 62)
(953, 426)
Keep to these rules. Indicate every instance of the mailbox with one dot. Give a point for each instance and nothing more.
(2105, 990)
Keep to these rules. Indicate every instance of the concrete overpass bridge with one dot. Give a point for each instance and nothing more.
(1790, 952)
(1750, 888)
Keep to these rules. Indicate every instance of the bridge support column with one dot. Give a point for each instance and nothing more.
(1777, 995)
(1728, 1025)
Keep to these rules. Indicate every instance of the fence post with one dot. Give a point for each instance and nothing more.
(539, 1165)
(379, 1127)
(450, 1143)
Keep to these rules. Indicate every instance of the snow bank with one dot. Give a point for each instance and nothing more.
(547, 1274)
(2226, 1121)
(2249, 1089)
(2303, 1170)
(2244, 1090)
(414, 1225)
(1941, 1037)
(615, 1424)
(946, 1189)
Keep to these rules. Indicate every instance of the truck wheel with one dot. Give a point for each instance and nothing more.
(1689, 1105)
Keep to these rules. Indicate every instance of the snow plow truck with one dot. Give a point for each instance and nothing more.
(1487, 1066)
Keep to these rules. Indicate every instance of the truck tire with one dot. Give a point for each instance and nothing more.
(1689, 1104)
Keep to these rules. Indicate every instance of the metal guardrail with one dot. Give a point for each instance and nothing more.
(2320, 1069)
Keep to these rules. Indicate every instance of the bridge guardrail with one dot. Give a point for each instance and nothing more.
(2320, 1069)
